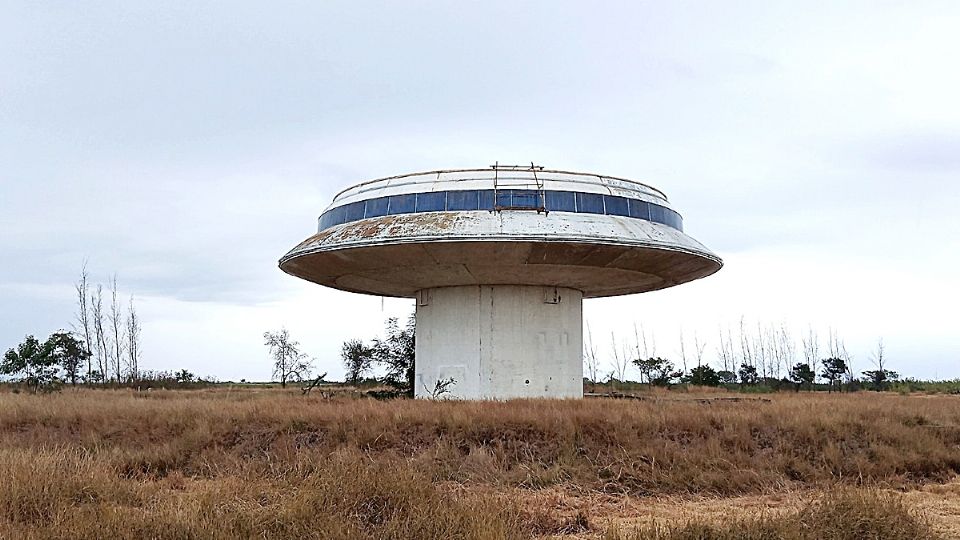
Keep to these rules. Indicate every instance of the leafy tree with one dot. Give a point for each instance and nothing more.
(802, 374)
(658, 371)
(645, 366)
(703, 375)
(666, 376)
(32, 364)
(833, 370)
(880, 379)
(396, 353)
(357, 359)
(184, 377)
(289, 363)
(727, 377)
(748, 375)
(68, 352)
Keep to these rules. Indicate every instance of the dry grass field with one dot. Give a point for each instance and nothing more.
(247, 463)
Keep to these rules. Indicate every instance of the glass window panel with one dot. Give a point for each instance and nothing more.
(376, 207)
(332, 217)
(486, 199)
(462, 200)
(340, 215)
(658, 213)
(616, 206)
(324, 221)
(590, 203)
(561, 201)
(674, 220)
(639, 209)
(353, 211)
(504, 197)
(432, 202)
(526, 198)
(668, 218)
(402, 204)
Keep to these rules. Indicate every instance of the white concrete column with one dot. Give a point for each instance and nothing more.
(500, 341)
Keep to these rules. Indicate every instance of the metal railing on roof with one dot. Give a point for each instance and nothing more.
(485, 174)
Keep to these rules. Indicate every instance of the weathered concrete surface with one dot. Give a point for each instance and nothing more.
(500, 342)
(599, 255)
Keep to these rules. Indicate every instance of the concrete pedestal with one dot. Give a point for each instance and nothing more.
(500, 342)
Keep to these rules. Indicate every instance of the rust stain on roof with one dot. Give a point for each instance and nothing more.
(384, 226)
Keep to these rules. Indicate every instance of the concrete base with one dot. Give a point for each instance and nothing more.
(500, 342)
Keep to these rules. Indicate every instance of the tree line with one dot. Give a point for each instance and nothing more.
(392, 356)
(104, 345)
(767, 356)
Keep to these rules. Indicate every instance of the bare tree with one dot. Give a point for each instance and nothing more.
(746, 348)
(649, 346)
(320, 379)
(133, 341)
(880, 378)
(590, 362)
(772, 352)
(726, 353)
(83, 324)
(811, 348)
(100, 335)
(838, 349)
(698, 348)
(621, 360)
(877, 356)
(683, 351)
(760, 352)
(776, 353)
(116, 328)
(785, 349)
(289, 363)
(848, 358)
(833, 343)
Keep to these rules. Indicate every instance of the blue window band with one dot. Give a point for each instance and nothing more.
(554, 201)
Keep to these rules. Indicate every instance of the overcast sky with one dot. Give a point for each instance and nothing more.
(814, 146)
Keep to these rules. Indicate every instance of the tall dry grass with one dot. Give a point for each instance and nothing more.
(65, 494)
(221, 463)
(843, 515)
(641, 448)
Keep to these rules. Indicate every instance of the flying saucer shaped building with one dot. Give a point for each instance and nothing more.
(499, 261)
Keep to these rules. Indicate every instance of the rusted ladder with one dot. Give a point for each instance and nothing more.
(497, 186)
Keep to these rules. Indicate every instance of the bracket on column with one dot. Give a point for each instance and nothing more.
(551, 295)
(423, 297)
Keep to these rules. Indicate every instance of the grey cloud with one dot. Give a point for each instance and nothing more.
(917, 153)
